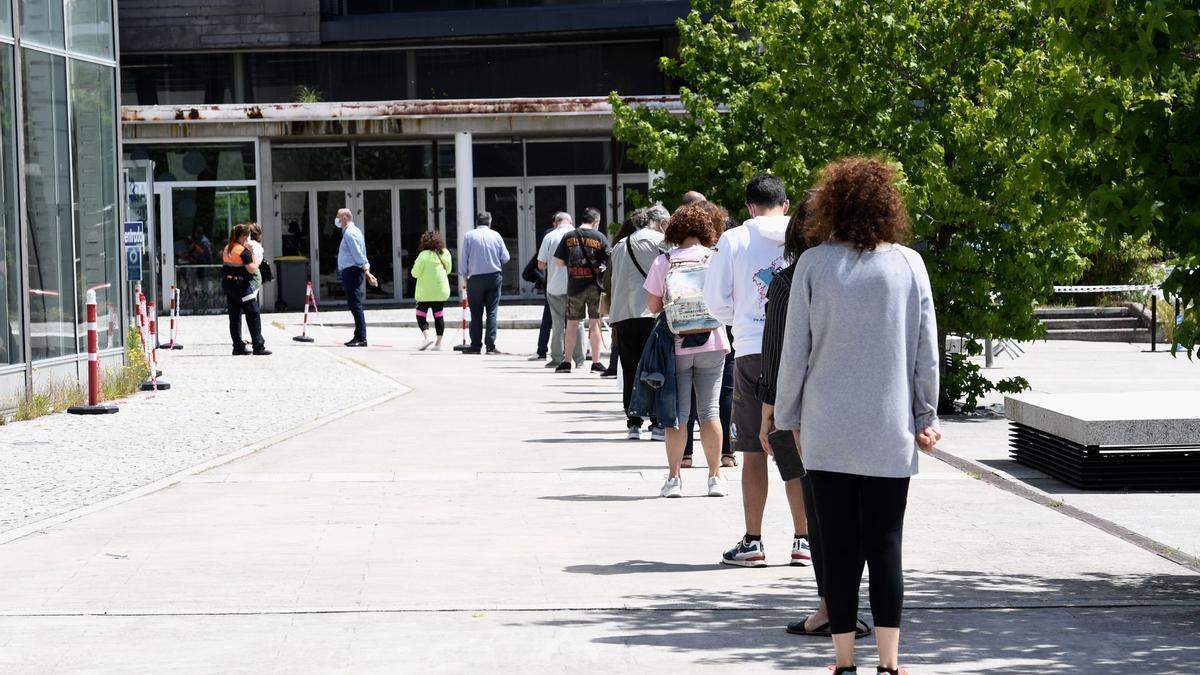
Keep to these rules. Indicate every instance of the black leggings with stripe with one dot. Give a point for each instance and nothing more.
(435, 308)
(861, 521)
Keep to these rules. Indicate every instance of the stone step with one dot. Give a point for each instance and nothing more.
(1092, 323)
(1081, 312)
(1137, 335)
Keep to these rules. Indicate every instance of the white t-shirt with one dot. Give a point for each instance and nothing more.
(256, 250)
(556, 275)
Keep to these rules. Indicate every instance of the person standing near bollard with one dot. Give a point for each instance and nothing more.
(354, 270)
(483, 257)
(237, 269)
(432, 272)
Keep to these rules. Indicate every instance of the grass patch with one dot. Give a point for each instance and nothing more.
(114, 383)
(1166, 320)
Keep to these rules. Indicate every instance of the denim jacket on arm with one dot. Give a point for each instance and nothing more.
(654, 391)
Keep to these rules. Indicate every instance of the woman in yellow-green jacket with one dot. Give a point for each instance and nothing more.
(432, 272)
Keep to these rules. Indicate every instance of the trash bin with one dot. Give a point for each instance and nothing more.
(291, 273)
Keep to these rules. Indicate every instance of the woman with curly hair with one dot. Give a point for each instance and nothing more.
(432, 272)
(858, 385)
(699, 359)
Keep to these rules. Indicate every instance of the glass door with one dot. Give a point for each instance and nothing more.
(375, 215)
(195, 223)
(415, 219)
(327, 239)
(504, 203)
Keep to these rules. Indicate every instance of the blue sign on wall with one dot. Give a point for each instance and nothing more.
(135, 240)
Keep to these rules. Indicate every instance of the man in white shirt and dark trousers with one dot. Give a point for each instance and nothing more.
(355, 273)
(483, 257)
(735, 290)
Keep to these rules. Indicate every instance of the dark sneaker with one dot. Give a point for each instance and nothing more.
(472, 350)
(599, 368)
(551, 365)
(240, 352)
(564, 367)
(745, 554)
(356, 343)
(262, 352)
(492, 351)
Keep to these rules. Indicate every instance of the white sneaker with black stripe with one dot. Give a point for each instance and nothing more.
(801, 552)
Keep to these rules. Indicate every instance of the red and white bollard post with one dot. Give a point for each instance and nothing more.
(308, 296)
(462, 328)
(154, 384)
(173, 344)
(94, 405)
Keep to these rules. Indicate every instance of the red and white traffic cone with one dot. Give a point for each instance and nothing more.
(94, 405)
(154, 384)
(173, 344)
(308, 296)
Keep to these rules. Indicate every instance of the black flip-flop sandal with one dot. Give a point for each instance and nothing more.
(861, 629)
(797, 628)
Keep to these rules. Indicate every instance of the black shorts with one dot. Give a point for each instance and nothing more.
(746, 420)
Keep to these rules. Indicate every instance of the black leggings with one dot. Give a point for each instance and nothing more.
(439, 322)
(861, 519)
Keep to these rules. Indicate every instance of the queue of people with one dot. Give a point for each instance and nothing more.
(827, 318)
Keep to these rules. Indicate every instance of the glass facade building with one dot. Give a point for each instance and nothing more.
(365, 106)
(59, 181)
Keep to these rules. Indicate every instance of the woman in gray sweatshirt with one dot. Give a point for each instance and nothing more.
(858, 383)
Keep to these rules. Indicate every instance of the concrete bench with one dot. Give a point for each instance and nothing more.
(1134, 440)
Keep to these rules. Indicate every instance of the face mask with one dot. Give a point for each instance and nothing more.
(337, 222)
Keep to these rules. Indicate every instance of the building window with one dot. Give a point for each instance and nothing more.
(42, 22)
(95, 156)
(48, 205)
(393, 162)
(571, 158)
(311, 163)
(5, 19)
(89, 27)
(351, 7)
(489, 160)
(542, 71)
(196, 162)
(177, 79)
(10, 281)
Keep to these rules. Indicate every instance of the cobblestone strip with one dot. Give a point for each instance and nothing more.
(218, 404)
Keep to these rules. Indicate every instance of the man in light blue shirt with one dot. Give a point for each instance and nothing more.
(355, 272)
(483, 256)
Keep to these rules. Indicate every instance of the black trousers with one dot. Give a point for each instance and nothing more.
(424, 309)
(814, 533)
(631, 336)
(253, 313)
(861, 520)
(483, 294)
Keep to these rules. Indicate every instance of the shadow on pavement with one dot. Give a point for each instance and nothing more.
(965, 621)
(600, 498)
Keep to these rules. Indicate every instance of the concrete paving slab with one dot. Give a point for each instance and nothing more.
(489, 551)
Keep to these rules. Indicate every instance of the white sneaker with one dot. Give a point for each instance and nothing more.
(717, 487)
(535, 357)
(672, 488)
(425, 345)
(635, 434)
(435, 348)
(658, 434)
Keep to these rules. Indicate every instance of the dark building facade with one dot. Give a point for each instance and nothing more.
(284, 112)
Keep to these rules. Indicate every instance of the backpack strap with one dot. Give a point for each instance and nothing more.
(633, 257)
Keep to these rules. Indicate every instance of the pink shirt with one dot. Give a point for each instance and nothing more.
(656, 281)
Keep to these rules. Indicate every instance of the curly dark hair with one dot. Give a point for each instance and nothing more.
(796, 238)
(695, 220)
(431, 240)
(856, 202)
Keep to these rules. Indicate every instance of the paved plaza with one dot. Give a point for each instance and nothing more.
(385, 510)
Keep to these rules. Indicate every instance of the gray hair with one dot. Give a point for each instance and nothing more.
(656, 214)
(483, 218)
(639, 218)
(563, 217)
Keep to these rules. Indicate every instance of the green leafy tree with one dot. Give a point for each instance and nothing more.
(1133, 106)
(950, 90)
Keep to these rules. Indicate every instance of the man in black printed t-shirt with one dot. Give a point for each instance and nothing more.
(584, 252)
